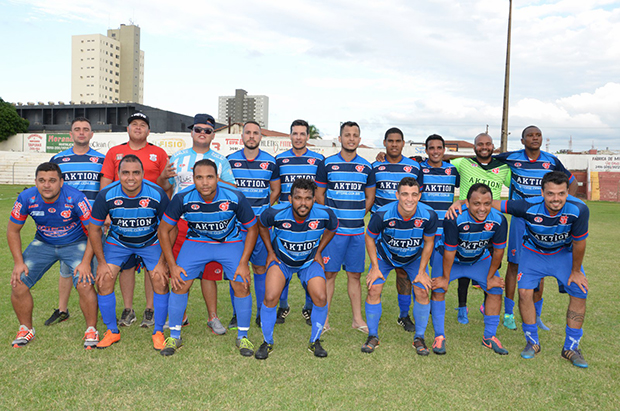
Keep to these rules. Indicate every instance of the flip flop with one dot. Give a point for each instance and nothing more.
(362, 329)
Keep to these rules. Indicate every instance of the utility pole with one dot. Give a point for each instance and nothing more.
(504, 140)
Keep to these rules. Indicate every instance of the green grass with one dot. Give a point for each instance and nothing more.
(55, 372)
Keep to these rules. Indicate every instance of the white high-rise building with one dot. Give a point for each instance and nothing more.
(242, 107)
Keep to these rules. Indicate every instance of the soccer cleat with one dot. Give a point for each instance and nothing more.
(159, 341)
(307, 313)
(439, 345)
(494, 344)
(575, 357)
(216, 326)
(57, 317)
(406, 323)
(147, 318)
(172, 345)
(282, 314)
(128, 317)
(246, 348)
(509, 321)
(530, 350)
(462, 316)
(540, 324)
(317, 349)
(371, 343)
(91, 338)
(232, 325)
(24, 336)
(263, 351)
(109, 338)
(420, 346)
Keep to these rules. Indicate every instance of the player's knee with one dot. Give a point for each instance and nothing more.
(271, 299)
(20, 291)
(421, 295)
(525, 294)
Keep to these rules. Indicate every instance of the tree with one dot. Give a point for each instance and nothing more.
(10, 122)
(314, 132)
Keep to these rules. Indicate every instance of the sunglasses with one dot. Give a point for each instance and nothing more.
(200, 130)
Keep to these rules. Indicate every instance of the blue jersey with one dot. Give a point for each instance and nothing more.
(549, 234)
(400, 241)
(81, 171)
(183, 162)
(437, 185)
(387, 177)
(253, 177)
(346, 182)
(213, 222)
(134, 219)
(291, 167)
(470, 238)
(62, 222)
(295, 242)
(526, 178)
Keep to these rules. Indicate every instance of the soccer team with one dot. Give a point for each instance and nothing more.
(200, 215)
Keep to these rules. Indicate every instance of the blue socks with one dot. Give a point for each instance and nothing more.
(318, 318)
(373, 315)
(420, 315)
(438, 313)
(509, 306)
(107, 307)
(268, 322)
(244, 315)
(177, 303)
(259, 290)
(232, 298)
(160, 305)
(404, 303)
(538, 306)
(284, 297)
(490, 325)
(573, 336)
(531, 333)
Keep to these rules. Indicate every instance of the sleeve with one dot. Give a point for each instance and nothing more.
(420, 180)
(267, 217)
(517, 208)
(450, 234)
(226, 174)
(108, 169)
(375, 225)
(499, 238)
(100, 209)
(173, 158)
(163, 204)
(458, 178)
(508, 178)
(431, 226)
(19, 212)
(371, 181)
(579, 229)
(333, 223)
(174, 211)
(321, 175)
(83, 210)
(162, 161)
(245, 214)
(275, 173)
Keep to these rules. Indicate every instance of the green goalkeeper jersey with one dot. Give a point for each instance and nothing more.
(495, 174)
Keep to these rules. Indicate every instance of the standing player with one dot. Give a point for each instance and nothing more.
(388, 174)
(135, 207)
(528, 166)
(465, 254)
(81, 169)
(481, 169)
(257, 177)
(181, 177)
(213, 212)
(301, 230)
(554, 245)
(296, 163)
(154, 160)
(400, 234)
(346, 184)
(61, 214)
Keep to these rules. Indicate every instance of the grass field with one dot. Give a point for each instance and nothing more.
(55, 372)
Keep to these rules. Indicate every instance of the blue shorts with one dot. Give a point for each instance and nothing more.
(305, 274)
(515, 239)
(411, 269)
(477, 272)
(117, 255)
(259, 254)
(39, 257)
(195, 254)
(534, 267)
(346, 251)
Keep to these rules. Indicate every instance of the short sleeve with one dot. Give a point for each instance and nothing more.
(450, 234)
(100, 209)
(431, 227)
(174, 211)
(375, 225)
(332, 224)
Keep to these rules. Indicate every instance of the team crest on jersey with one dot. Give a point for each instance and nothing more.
(224, 206)
(488, 226)
(65, 214)
(311, 161)
(495, 171)
(264, 166)
(118, 202)
(474, 165)
(286, 225)
(418, 222)
(65, 159)
(381, 168)
(466, 227)
(538, 219)
(517, 164)
(313, 225)
(326, 260)
(546, 166)
(237, 164)
(407, 169)
(448, 171)
(94, 159)
(359, 168)
(335, 168)
(195, 207)
(119, 156)
(153, 157)
(286, 160)
(144, 202)
(564, 219)
(392, 223)
(51, 210)
(426, 170)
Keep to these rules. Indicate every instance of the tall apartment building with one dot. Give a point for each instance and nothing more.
(108, 69)
(241, 108)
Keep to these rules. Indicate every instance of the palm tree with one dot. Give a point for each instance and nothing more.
(314, 132)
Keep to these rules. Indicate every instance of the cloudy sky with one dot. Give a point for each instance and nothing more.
(433, 66)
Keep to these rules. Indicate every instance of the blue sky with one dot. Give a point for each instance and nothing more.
(426, 67)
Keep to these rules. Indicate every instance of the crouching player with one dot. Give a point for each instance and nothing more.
(554, 245)
(301, 230)
(61, 214)
(212, 211)
(135, 207)
(400, 234)
(465, 252)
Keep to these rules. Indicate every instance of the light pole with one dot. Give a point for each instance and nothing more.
(504, 142)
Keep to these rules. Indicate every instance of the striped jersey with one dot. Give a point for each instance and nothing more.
(134, 219)
(292, 167)
(183, 162)
(437, 186)
(81, 171)
(346, 182)
(387, 177)
(253, 177)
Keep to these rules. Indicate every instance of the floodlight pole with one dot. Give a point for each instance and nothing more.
(504, 140)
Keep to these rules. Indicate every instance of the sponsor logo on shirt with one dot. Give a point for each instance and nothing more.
(118, 202)
(17, 210)
(392, 223)
(538, 219)
(65, 214)
(466, 227)
(286, 225)
(65, 159)
(37, 213)
(195, 207)
(237, 164)
(426, 170)
(517, 164)
(286, 160)
(119, 156)
(488, 226)
(224, 206)
(144, 202)
(335, 168)
(84, 207)
(51, 210)
(495, 171)
(381, 168)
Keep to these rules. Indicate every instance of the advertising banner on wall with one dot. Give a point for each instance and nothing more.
(58, 142)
